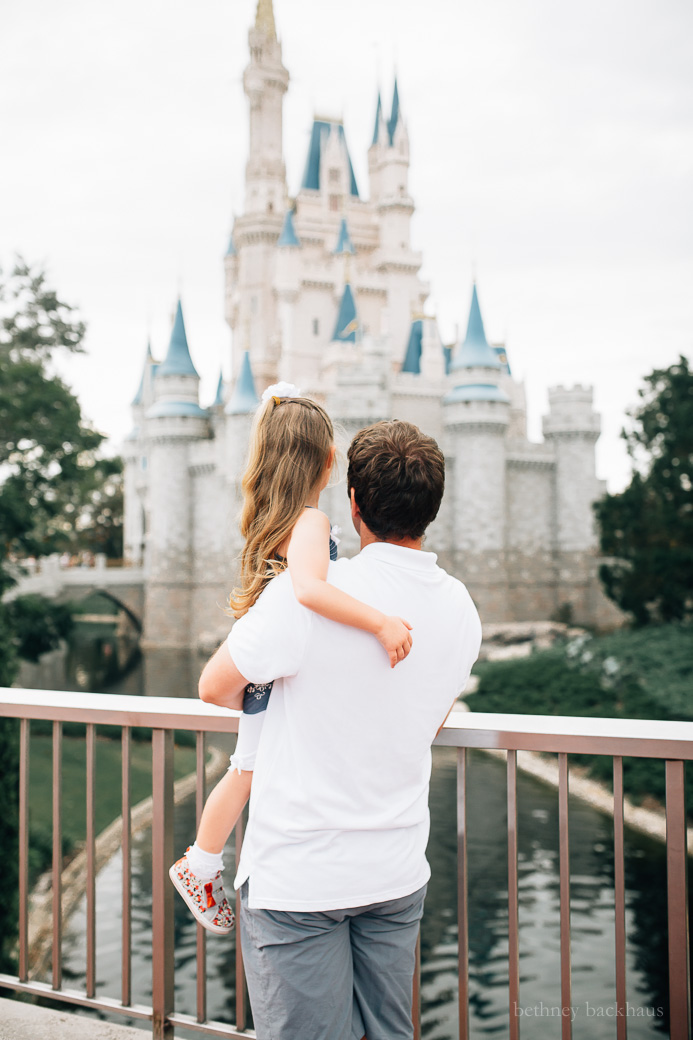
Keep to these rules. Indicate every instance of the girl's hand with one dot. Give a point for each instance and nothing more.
(395, 638)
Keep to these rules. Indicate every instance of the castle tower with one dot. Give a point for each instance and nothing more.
(173, 422)
(388, 165)
(240, 412)
(475, 421)
(287, 284)
(135, 474)
(250, 301)
(572, 429)
(265, 81)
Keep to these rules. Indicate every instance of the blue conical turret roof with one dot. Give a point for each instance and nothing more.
(244, 398)
(378, 118)
(344, 243)
(347, 320)
(219, 399)
(412, 357)
(231, 248)
(178, 361)
(394, 114)
(288, 236)
(319, 134)
(475, 352)
(138, 398)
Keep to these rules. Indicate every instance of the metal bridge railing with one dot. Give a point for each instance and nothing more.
(671, 741)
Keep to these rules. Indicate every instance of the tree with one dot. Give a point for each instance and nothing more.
(48, 470)
(99, 523)
(647, 530)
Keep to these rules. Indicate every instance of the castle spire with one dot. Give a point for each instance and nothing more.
(475, 352)
(344, 243)
(394, 113)
(378, 120)
(219, 399)
(265, 82)
(178, 361)
(347, 319)
(288, 236)
(264, 19)
(244, 398)
(412, 357)
(148, 360)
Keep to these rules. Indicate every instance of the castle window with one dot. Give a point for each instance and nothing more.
(144, 462)
(316, 327)
(334, 203)
(334, 176)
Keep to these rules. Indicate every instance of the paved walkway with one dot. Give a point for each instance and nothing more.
(22, 1021)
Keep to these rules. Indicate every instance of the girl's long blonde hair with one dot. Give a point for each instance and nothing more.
(289, 451)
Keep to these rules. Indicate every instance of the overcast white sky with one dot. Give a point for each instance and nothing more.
(551, 147)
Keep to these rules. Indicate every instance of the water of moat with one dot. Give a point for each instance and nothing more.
(93, 664)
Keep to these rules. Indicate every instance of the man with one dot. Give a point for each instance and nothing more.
(333, 871)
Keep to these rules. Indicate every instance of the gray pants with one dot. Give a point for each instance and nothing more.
(333, 975)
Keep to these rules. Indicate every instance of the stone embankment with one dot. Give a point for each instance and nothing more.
(73, 878)
(513, 639)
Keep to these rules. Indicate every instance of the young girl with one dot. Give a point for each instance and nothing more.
(291, 458)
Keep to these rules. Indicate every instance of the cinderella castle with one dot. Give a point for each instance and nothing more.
(323, 290)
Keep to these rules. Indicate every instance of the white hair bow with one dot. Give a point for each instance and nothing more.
(280, 390)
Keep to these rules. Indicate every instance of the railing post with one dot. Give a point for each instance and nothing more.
(677, 901)
(564, 882)
(57, 867)
(513, 914)
(462, 915)
(619, 902)
(201, 945)
(24, 733)
(126, 845)
(240, 971)
(162, 889)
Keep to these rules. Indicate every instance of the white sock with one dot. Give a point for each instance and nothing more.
(204, 865)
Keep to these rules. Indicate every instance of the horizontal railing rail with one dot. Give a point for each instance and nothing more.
(671, 741)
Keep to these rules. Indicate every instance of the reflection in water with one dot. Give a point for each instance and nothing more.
(221, 950)
(592, 913)
(173, 673)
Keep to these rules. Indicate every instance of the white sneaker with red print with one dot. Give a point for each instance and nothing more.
(206, 900)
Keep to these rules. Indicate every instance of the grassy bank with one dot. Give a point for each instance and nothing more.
(642, 673)
(107, 788)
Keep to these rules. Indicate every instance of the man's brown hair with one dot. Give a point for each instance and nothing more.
(398, 477)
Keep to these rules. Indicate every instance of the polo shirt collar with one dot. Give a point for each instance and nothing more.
(400, 556)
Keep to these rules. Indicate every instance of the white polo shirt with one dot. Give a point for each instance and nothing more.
(339, 802)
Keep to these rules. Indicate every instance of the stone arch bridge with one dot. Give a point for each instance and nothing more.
(123, 585)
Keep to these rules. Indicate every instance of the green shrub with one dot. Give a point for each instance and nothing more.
(632, 674)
